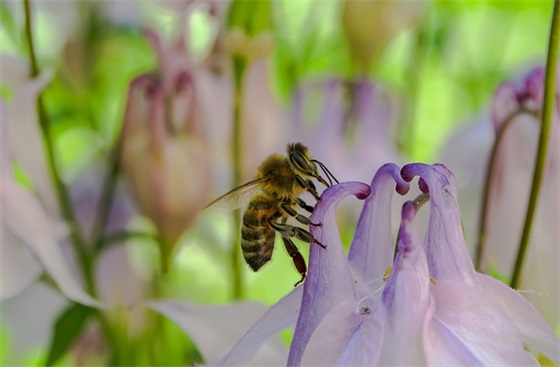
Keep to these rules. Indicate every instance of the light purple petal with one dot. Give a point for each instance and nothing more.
(474, 327)
(331, 336)
(534, 330)
(371, 252)
(448, 257)
(329, 280)
(25, 217)
(366, 344)
(406, 297)
(376, 116)
(214, 328)
(322, 133)
(281, 315)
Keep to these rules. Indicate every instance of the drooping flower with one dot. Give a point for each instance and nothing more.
(165, 153)
(355, 138)
(515, 109)
(433, 308)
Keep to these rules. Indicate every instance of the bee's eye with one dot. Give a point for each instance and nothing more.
(301, 162)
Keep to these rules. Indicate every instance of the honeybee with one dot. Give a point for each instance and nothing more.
(273, 196)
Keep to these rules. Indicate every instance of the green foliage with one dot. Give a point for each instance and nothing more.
(67, 328)
(252, 16)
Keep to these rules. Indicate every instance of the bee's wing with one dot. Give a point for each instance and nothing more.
(238, 196)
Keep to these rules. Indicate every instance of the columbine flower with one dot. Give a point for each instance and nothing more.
(165, 154)
(468, 154)
(433, 308)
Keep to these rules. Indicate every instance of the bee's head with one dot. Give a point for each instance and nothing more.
(302, 162)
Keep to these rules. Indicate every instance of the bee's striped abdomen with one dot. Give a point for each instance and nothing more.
(257, 237)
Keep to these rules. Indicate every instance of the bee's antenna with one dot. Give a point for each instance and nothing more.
(326, 171)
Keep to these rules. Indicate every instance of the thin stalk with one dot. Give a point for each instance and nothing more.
(407, 141)
(119, 237)
(544, 138)
(239, 68)
(60, 188)
(490, 169)
(107, 194)
(63, 197)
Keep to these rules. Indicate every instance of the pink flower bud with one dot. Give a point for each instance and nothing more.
(165, 154)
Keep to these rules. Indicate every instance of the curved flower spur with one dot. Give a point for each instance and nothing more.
(433, 308)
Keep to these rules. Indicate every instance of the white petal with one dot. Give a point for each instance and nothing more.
(281, 315)
(117, 281)
(24, 139)
(25, 217)
(215, 328)
(18, 267)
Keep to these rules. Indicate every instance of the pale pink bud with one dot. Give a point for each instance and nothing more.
(165, 154)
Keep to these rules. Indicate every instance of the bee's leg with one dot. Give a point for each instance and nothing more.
(302, 204)
(300, 218)
(298, 260)
(292, 231)
(309, 186)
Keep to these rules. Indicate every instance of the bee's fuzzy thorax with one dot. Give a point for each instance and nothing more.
(282, 183)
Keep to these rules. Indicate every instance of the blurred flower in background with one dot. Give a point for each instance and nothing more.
(165, 154)
(351, 126)
(515, 118)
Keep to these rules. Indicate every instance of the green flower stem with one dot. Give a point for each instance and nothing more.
(547, 117)
(62, 193)
(123, 236)
(60, 187)
(107, 194)
(239, 68)
(407, 141)
(490, 169)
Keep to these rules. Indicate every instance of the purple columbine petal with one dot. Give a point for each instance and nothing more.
(406, 297)
(473, 326)
(365, 346)
(281, 315)
(329, 280)
(332, 335)
(371, 252)
(445, 244)
(533, 329)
